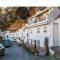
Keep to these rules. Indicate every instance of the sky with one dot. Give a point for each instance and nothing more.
(11, 3)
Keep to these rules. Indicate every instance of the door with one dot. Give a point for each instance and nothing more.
(55, 34)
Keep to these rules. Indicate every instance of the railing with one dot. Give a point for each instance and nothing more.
(37, 21)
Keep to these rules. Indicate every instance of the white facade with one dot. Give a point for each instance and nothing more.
(11, 35)
(47, 28)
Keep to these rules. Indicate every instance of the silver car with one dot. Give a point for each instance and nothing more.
(2, 49)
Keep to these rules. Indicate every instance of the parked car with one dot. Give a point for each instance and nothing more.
(6, 43)
(2, 49)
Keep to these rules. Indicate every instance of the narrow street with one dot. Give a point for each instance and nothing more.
(35, 28)
(19, 53)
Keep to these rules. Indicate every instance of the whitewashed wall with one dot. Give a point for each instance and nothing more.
(40, 36)
(58, 21)
(10, 35)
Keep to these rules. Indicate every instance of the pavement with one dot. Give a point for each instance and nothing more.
(19, 53)
(57, 51)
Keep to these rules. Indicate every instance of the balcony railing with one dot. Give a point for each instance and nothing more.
(37, 20)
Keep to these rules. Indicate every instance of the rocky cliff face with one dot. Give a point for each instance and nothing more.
(8, 21)
(16, 25)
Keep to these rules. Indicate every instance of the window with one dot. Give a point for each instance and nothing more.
(45, 28)
(38, 42)
(18, 38)
(31, 41)
(28, 41)
(31, 30)
(35, 21)
(27, 34)
(44, 17)
(38, 30)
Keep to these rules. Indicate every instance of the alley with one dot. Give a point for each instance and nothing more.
(36, 29)
(19, 53)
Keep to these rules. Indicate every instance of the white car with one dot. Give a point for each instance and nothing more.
(2, 49)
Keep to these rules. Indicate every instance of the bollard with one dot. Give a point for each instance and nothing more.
(35, 47)
(35, 44)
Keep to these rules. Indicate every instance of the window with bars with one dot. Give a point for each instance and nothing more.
(45, 28)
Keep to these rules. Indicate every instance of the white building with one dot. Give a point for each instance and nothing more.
(11, 35)
(43, 24)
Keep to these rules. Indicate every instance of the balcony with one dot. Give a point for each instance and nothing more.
(36, 20)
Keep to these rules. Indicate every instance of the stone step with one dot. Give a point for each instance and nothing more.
(57, 52)
(42, 51)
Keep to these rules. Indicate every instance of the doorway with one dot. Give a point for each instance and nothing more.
(55, 34)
